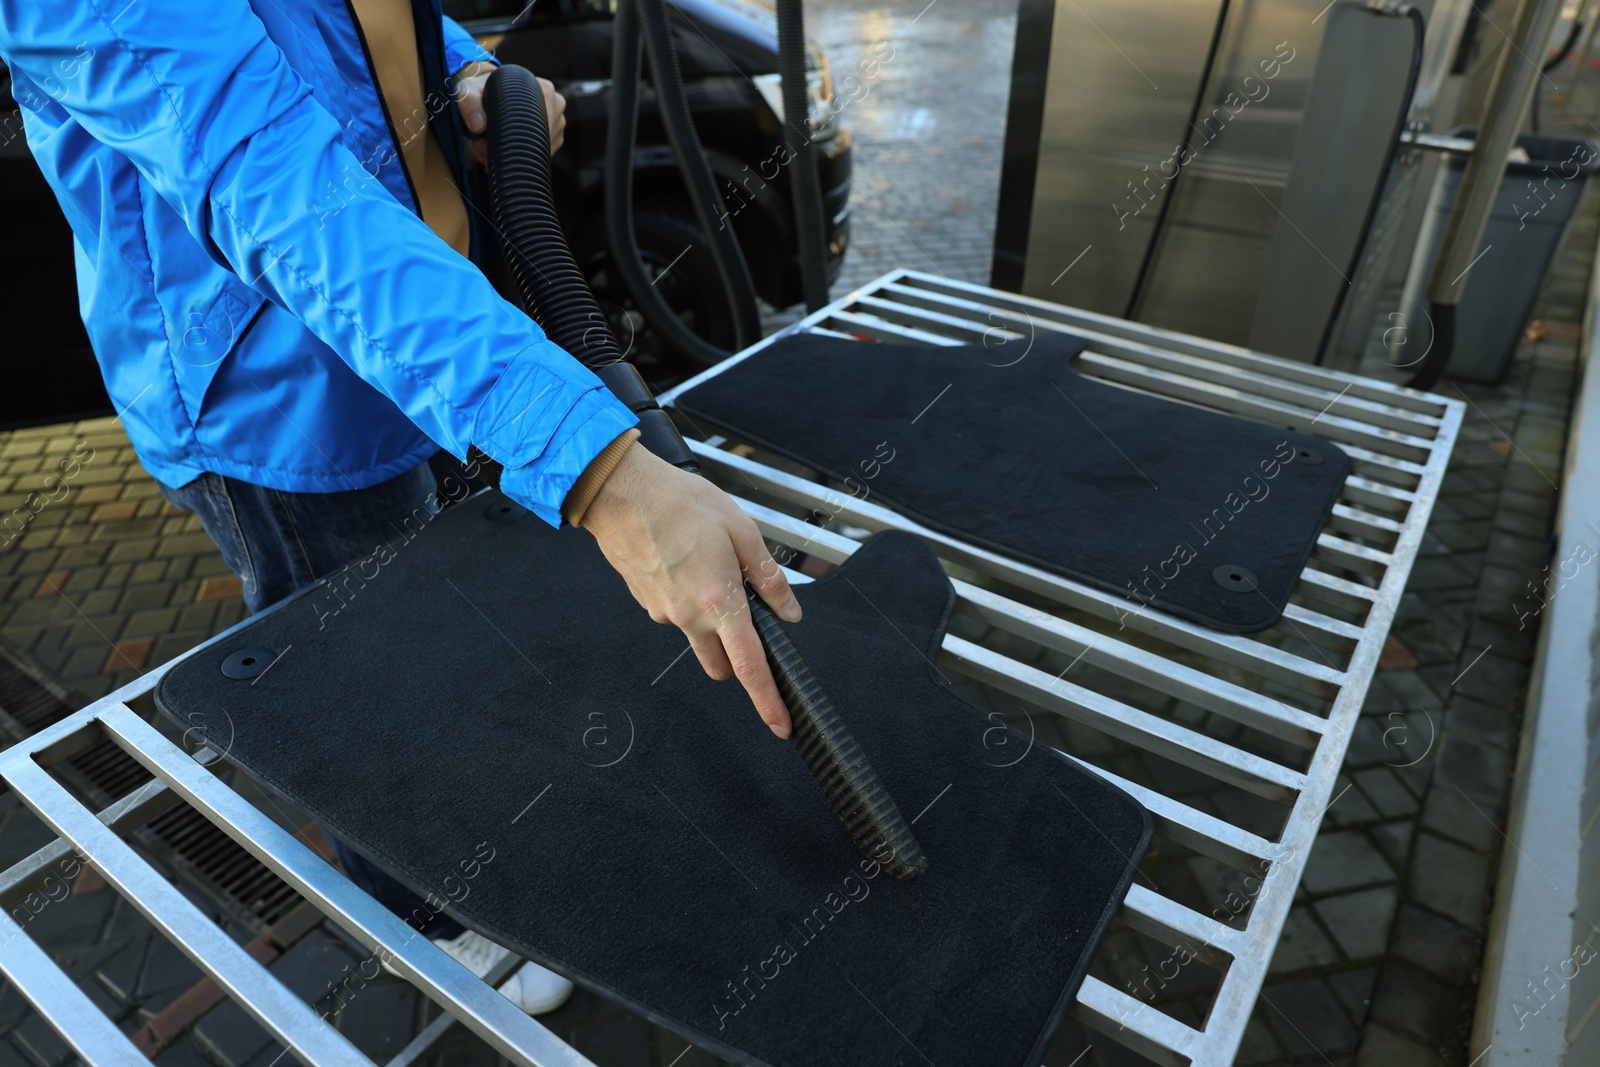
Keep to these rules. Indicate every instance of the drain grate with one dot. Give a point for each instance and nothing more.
(186, 841)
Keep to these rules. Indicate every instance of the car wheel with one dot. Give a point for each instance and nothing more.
(678, 256)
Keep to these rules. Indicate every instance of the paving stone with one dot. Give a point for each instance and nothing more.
(1492, 679)
(155, 621)
(118, 973)
(182, 1053)
(378, 1018)
(1499, 586)
(185, 544)
(139, 597)
(1383, 788)
(1381, 1047)
(130, 550)
(621, 1041)
(13, 1007)
(1477, 770)
(41, 1044)
(1354, 990)
(1367, 745)
(1447, 878)
(228, 1037)
(1410, 690)
(1344, 860)
(1303, 944)
(1524, 477)
(1445, 949)
(96, 494)
(1308, 1019)
(166, 970)
(1350, 808)
(1443, 572)
(149, 571)
(1541, 506)
(1360, 921)
(1412, 1002)
(71, 922)
(1452, 815)
(1492, 723)
(168, 646)
(99, 602)
(1520, 552)
(197, 617)
(131, 653)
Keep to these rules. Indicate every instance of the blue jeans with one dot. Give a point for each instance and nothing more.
(279, 542)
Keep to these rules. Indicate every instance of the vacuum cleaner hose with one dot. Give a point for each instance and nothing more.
(627, 53)
(804, 185)
(673, 103)
(523, 202)
(556, 294)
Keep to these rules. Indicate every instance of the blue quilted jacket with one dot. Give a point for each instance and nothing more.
(262, 295)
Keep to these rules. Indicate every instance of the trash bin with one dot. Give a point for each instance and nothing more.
(1531, 211)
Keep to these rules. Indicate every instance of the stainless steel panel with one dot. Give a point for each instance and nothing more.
(1122, 82)
(1358, 101)
(1211, 254)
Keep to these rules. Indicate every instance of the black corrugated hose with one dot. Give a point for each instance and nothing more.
(555, 293)
(804, 186)
(627, 51)
(649, 16)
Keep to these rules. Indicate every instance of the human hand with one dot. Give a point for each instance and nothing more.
(469, 98)
(686, 551)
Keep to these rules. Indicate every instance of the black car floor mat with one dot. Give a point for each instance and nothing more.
(489, 716)
(1207, 516)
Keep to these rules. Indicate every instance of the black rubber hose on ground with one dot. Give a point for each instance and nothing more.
(522, 203)
(627, 52)
(804, 186)
(672, 102)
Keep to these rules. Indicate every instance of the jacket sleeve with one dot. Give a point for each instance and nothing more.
(207, 107)
(460, 48)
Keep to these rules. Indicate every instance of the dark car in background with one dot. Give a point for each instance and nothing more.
(728, 52)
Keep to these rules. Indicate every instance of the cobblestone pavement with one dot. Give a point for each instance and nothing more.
(1378, 964)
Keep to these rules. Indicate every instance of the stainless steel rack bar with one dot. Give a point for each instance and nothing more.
(190, 778)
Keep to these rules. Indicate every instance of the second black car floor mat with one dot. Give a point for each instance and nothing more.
(489, 716)
(1208, 516)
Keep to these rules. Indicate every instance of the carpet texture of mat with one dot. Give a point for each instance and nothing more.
(489, 716)
(1207, 516)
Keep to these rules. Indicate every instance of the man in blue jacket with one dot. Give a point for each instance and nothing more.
(275, 264)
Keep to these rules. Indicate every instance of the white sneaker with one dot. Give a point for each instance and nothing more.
(532, 988)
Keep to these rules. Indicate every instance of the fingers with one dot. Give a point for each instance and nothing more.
(762, 571)
(469, 97)
(713, 660)
(555, 106)
(743, 651)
